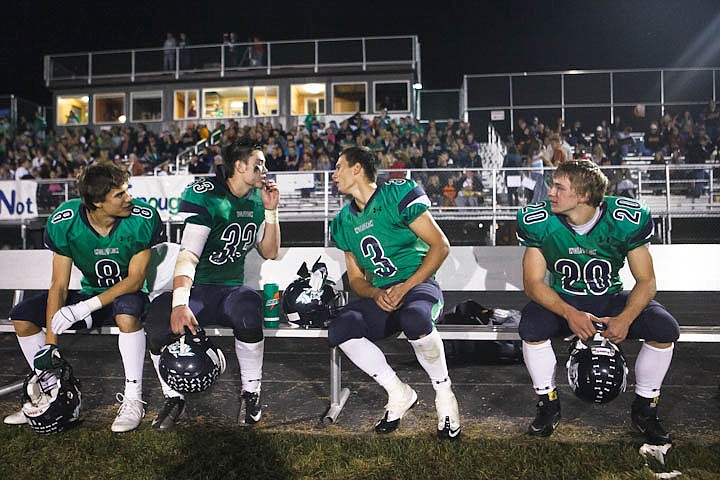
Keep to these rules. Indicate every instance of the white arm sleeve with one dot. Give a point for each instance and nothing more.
(194, 238)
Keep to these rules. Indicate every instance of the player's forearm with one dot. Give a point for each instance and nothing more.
(56, 300)
(431, 263)
(641, 294)
(130, 284)
(545, 296)
(363, 288)
(269, 246)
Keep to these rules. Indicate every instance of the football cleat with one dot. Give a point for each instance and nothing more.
(250, 401)
(448, 415)
(17, 418)
(398, 403)
(168, 416)
(644, 418)
(548, 416)
(130, 414)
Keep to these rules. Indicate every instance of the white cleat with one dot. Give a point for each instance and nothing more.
(130, 414)
(17, 418)
(398, 404)
(448, 415)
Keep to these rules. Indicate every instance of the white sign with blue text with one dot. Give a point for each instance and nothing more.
(18, 199)
(162, 192)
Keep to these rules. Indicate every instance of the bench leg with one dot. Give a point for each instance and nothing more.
(13, 387)
(338, 395)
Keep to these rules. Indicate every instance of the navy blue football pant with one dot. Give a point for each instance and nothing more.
(34, 308)
(654, 324)
(363, 318)
(236, 307)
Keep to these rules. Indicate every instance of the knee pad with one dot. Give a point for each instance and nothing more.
(130, 304)
(242, 309)
(248, 335)
(344, 327)
(415, 322)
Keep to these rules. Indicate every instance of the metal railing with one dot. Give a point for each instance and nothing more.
(221, 59)
(671, 191)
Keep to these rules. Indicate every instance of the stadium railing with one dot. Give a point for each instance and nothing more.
(468, 269)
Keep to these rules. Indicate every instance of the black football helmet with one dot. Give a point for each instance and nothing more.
(597, 372)
(310, 300)
(55, 408)
(191, 363)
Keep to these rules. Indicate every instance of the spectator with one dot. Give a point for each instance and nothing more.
(185, 54)
(434, 190)
(699, 153)
(449, 193)
(471, 187)
(652, 141)
(23, 171)
(254, 54)
(169, 52)
(512, 160)
(558, 152)
(711, 117)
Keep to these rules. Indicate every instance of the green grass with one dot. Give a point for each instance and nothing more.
(212, 451)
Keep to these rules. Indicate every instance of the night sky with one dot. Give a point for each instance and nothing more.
(456, 37)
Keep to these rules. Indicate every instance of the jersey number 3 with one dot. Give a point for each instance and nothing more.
(372, 250)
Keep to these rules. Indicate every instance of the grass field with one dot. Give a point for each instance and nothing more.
(199, 450)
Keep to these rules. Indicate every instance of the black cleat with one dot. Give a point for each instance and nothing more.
(250, 401)
(548, 416)
(644, 418)
(168, 416)
(397, 405)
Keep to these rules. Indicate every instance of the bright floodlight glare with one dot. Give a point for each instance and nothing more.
(122, 119)
(85, 99)
(417, 86)
(314, 88)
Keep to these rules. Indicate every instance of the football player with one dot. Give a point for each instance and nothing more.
(225, 217)
(108, 235)
(583, 238)
(393, 247)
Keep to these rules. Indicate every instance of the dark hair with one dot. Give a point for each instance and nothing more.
(237, 151)
(585, 177)
(97, 180)
(364, 157)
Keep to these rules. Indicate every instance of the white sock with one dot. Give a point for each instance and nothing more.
(132, 351)
(30, 345)
(250, 359)
(371, 360)
(650, 368)
(430, 352)
(541, 362)
(167, 391)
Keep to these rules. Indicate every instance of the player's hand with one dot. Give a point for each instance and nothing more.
(270, 194)
(396, 294)
(581, 324)
(616, 330)
(383, 300)
(69, 315)
(182, 317)
(47, 357)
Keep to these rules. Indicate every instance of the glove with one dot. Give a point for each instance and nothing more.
(69, 315)
(48, 357)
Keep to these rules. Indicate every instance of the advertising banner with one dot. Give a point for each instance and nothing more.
(162, 192)
(18, 199)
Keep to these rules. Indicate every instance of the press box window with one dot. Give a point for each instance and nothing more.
(349, 97)
(72, 110)
(395, 96)
(266, 101)
(185, 104)
(231, 102)
(307, 98)
(109, 108)
(146, 106)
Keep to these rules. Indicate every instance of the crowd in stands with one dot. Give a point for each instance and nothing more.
(32, 150)
(670, 140)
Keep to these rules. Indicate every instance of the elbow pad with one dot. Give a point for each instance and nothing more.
(186, 263)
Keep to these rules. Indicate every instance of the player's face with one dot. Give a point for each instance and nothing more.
(563, 197)
(117, 202)
(257, 168)
(342, 175)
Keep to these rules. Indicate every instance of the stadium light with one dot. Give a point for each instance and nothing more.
(417, 86)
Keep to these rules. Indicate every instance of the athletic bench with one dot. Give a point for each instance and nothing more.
(467, 269)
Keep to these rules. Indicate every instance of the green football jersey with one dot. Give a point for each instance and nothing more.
(103, 261)
(587, 264)
(379, 236)
(233, 222)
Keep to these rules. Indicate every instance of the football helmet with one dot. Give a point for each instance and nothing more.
(597, 372)
(54, 408)
(310, 300)
(191, 363)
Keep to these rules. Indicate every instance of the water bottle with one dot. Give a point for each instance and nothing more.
(271, 302)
